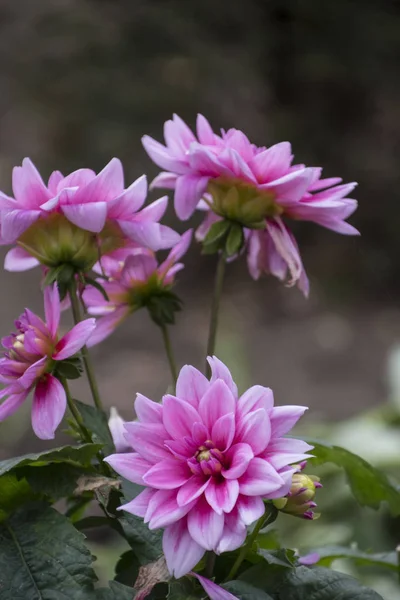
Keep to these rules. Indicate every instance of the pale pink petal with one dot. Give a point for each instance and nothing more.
(91, 216)
(234, 533)
(163, 509)
(216, 402)
(162, 156)
(233, 160)
(205, 525)
(200, 433)
(12, 404)
(108, 184)
(28, 186)
(167, 474)
(130, 201)
(220, 371)
(130, 465)
(74, 339)
(144, 233)
(54, 180)
(188, 191)
(260, 479)
(192, 489)
(17, 259)
(106, 325)
(32, 373)
(180, 449)
(221, 494)
(291, 187)
(191, 385)
(254, 398)
(15, 222)
(138, 268)
(250, 508)
(204, 131)
(284, 418)
(138, 506)
(237, 459)
(48, 407)
(178, 135)
(272, 163)
(148, 440)
(52, 308)
(164, 180)
(169, 237)
(78, 178)
(181, 552)
(286, 451)
(116, 425)
(148, 411)
(255, 430)
(287, 475)
(223, 431)
(214, 591)
(178, 417)
(155, 211)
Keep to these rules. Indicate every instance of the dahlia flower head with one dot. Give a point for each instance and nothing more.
(255, 186)
(73, 218)
(208, 459)
(134, 277)
(32, 355)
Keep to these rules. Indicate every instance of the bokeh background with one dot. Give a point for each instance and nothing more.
(82, 81)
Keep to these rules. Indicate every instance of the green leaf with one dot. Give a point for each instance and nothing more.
(216, 232)
(13, 493)
(127, 568)
(79, 456)
(235, 239)
(330, 553)
(369, 485)
(282, 557)
(96, 421)
(70, 368)
(43, 557)
(183, 590)
(302, 583)
(52, 480)
(94, 283)
(116, 591)
(146, 544)
(245, 591)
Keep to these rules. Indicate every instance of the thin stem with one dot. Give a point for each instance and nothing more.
(169, 352)
(212, 333)
(266, 519)
(210, 563)
(76, 414)
(85, 353)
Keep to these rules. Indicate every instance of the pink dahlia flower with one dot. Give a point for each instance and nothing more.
(97, 204)
(208, 459)
(32, 355)
(254, 186)
(134, 278)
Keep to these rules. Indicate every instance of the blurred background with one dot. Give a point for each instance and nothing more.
(83, 80)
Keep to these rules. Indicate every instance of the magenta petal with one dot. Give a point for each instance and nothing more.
(204, 131)
(223, 431)
(129, 465)
(200, 433)
(105, 186)
(220, 371)
(255, 430)
(250, 508)
(222, 494)
(163, 509)
(216, 402)
(234, 533)
(168, 474)
(148, 439)
(52, 308)
(74, 339)
(130, 201)
(272, 163)
(205, 525)
(138, 506)
(260, 479)
(48, 408)
(12, 404)
(192, 489)
(181, 552)
(214, 591)
(178, 417)
(237, 458)
(162, 156)
(254, 398)
(32, 373)
(106, 325)
(287, 475)
(188, 192)
(17, 259)
(148, 411)
(283, 418)
(191, 385)
(28, 186)
(90, 216)
(155, 211)
(15, 222)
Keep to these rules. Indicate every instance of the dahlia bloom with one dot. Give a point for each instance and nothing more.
(33, 353)
(71, 218)
(135, 278)
(208, 458)
(254, 186)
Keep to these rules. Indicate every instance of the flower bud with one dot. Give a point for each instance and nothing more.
(116, 425)
(300, 499)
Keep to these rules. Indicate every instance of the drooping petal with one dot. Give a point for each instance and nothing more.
(283, 419)
(163, 509)
(52, 308)
(223, 431)
(222, 494)
(250, 508)
(91, 216)
(181, 552)
(220, 371)
(32, 373)
(216, 402)
(48, 408)
(214, 591)
(191, 385)
(74, 340)
(147, 410)
(254, 429)
(12, 404)
(205, 525)
(188, 191)
(178, 417)
(167, 474)
(130, 465)
(237, 460)
(259, 479)
(17, 259)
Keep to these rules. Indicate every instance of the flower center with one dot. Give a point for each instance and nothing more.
(207, 460)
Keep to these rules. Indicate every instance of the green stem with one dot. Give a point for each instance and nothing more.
(212, 333)
(76, 414)
(266, 519)
(169, 352)
(84, 351)
(210, 563)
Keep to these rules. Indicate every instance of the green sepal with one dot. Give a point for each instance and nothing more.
(235, 239)
(71, 368)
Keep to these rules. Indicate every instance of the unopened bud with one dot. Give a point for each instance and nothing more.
(300, 499)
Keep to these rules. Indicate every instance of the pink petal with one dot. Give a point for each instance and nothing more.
(250, 508)
(148, 411)
(48, 408)
(181, 552)
(169, 237)
(205, 525)
(178, 417)
(178, 135)
(285, 451)
(220, 371)
(28, 186)
(148, 440)
(163, 509)
(138, 506)
(162, 156)
(144, 233)
(283, 418)
(255, 430)
(15, 222)
(232, 160)
(106, 325)
(108, 184)
(254, 398)
(78, 178)
(291, 187)
(32, 373)
(216, 402)
(155, 211)
(260, 479)
(138, 267)
(287, 475)
(223, 431)
(234, 533)
(238, 459)
(204, 131)
(222, 494)
(52, 308)
(116, 425)
(214, 591)
(168, 474)
(272, 163)
(200, 433)
(192, 489)
(130, 465)
(164, 180)
(130, 201)
(188, 192)
(191, 385)
(75, 339)
(91, 216)
(55, 178)
(17, 259)
(12, 404)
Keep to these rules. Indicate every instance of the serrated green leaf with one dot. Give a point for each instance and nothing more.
(146, 544)
(72, 455)
(382, 559)
(370, 486)
(97, 423)
(43, 557)
(52, 480)
(303, 583)
(234, 240)
(245, 591)
(116, 591)
(13, 493)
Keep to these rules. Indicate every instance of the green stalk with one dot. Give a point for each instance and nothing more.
(212, 333)
(169, 353)
(210, 564)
